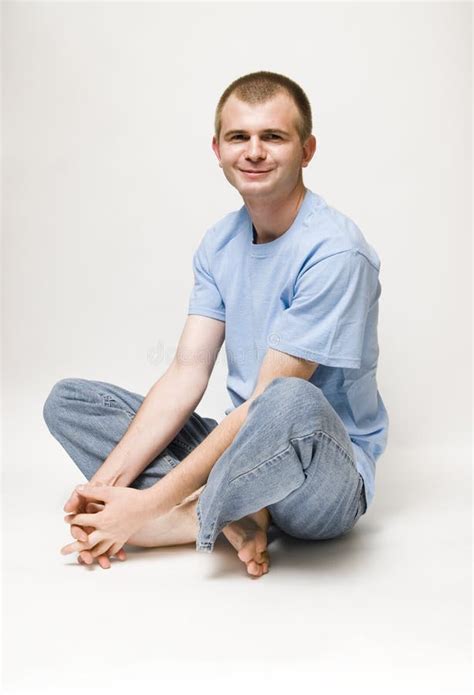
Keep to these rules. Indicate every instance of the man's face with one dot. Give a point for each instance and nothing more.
(262, 138)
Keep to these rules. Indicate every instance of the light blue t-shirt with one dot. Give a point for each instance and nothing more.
(312, 292)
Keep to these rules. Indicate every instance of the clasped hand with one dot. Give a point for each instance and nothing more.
(122, 512)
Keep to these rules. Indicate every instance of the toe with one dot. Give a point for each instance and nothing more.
(247, 552)
(254, 568)
(261, 543)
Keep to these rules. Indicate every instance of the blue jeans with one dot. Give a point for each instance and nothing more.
(291, 455)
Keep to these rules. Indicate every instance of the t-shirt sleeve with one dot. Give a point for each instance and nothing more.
(327, 317)
(205, 298)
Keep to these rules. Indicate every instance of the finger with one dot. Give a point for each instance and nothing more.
(92, 507)
(115, 549)
(72, 502)
(96, 492)
(121, 554)
(79, 534)
(95, 546)
(86, 529)
(74, 548)
(84, 519)
(86, 557)
(104, 562)
(100, 548)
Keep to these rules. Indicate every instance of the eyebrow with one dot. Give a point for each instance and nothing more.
(266, 130)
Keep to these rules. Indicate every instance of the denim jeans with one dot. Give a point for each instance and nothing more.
(291, 455)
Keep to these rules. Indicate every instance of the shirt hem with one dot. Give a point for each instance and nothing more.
(210, 313)
(318, 357)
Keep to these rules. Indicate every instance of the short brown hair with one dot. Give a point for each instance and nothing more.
(258, 87)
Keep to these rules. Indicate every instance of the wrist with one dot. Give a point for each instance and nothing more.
(152, 504)
(102, 480)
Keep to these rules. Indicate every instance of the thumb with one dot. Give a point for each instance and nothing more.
(72, 505)
(95, 492)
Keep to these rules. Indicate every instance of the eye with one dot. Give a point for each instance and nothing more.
(268, 135)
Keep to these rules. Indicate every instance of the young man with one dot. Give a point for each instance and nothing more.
(294, 286)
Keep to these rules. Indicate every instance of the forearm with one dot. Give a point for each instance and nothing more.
(192, 472)
(163, 413)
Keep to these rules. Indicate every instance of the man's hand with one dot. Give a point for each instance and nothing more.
(124, 513)
(78, 504)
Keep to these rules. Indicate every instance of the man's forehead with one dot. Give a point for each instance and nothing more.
(279, 112)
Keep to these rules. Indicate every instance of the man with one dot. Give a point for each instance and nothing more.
(293, 285)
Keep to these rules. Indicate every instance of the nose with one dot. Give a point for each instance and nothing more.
(255, 149)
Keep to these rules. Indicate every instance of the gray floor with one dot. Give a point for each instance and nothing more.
(384, 608)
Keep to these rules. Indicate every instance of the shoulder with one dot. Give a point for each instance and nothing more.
(223, 232)
(329, 232)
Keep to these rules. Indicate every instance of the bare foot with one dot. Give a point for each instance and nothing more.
(249, 538)
(180, 526)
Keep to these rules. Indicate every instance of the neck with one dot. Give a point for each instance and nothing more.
(272, 218)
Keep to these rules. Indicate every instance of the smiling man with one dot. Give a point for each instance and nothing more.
(292, 286)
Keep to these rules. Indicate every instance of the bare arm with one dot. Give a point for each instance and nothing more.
(164, 411)
(168, 405)
(188, 475)
(192, 472)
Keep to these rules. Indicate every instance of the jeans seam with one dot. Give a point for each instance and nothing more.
(180, 442)
(172, 462)
(287, 448)
(341, 448)
(204, 545)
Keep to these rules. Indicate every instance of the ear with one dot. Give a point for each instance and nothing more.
(309, 148)
(216, 148)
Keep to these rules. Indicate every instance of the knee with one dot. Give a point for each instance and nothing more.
(290, 389)
(55, 400)
(289, 398)
(303, 401)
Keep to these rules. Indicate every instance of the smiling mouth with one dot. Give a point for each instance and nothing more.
(254, 173)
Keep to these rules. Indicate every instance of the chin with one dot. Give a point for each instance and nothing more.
(254, 186)
(250, 188)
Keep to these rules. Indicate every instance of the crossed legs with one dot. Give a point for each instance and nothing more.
(292, 459)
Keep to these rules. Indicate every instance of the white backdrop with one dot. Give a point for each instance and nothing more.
(109, 182)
